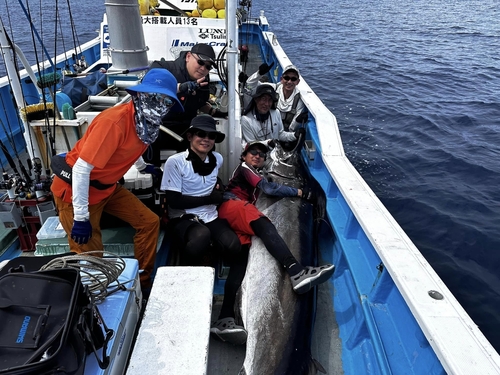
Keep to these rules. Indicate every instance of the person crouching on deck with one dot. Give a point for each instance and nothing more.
(114, 141)
(246, 220)
(261, 121)
(193, 193)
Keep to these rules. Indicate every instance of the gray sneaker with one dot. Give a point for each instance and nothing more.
(311, 276)
(227, 330)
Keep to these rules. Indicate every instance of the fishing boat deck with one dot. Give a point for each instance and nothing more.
(227, 359)
(223, 358)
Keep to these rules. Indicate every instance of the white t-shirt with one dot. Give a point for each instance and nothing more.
(179, 176)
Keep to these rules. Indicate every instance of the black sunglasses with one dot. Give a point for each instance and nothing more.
(255, 152)
(203, 134)
(201, 62)
(288, 78)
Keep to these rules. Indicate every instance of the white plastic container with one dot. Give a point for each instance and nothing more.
(51, 228)
(135, 180)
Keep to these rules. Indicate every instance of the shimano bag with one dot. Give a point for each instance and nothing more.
(48, 323)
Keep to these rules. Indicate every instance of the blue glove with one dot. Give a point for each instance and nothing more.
(153, 169)
(81, 232)
(188, 87)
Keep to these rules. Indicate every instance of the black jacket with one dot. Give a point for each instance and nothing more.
(191, 103)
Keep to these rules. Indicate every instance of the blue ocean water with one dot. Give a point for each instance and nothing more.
(415, 87)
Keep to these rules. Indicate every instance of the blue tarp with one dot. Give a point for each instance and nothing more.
(79, 88)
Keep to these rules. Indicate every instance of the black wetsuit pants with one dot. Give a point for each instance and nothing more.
(197, 238)
(276, 246)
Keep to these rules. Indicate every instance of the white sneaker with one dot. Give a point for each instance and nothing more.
(227, 330)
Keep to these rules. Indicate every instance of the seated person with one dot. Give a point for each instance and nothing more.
(114, 141)
(248, 221)
(191, 188)
(262, 122)
(289, 103)
(191, 69)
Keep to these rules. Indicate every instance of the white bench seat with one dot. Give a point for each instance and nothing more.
(175, 331)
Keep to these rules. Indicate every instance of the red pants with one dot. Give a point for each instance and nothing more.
(126, 206)
(239, 215)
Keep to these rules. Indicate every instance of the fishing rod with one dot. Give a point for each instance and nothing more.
(8, 134)
(126, 71)
(33, 29)
(13, 164)
(9, 158)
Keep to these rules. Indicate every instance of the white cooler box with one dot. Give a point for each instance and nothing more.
(141, 184)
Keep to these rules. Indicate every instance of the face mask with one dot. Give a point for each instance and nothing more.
(149, 110)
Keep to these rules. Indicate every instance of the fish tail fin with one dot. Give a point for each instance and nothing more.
(315, 366)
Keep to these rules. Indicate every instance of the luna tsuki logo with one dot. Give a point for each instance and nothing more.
(205, 33)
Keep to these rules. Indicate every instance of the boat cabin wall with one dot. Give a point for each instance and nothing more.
(167, 36)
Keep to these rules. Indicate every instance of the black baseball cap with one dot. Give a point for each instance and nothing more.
(204, 51)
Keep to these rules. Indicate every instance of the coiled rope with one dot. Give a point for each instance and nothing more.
(97, 273)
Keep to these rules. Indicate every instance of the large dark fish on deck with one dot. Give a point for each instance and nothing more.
(279, 321)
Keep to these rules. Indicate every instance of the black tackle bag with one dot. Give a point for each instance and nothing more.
(48, 323)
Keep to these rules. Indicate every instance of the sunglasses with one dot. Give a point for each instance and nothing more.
(167, 101)
(204, 134)
(255, 152)
(208, 65)
(288, 78)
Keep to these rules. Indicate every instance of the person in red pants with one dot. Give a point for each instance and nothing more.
(246, 220)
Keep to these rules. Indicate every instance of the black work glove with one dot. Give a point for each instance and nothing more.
(215, 197)
(300, 133)
(271, 143)
(307, 194)
(303, 117)
(264, 68)
(188, 87)
(219, 113)
(242, 77)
